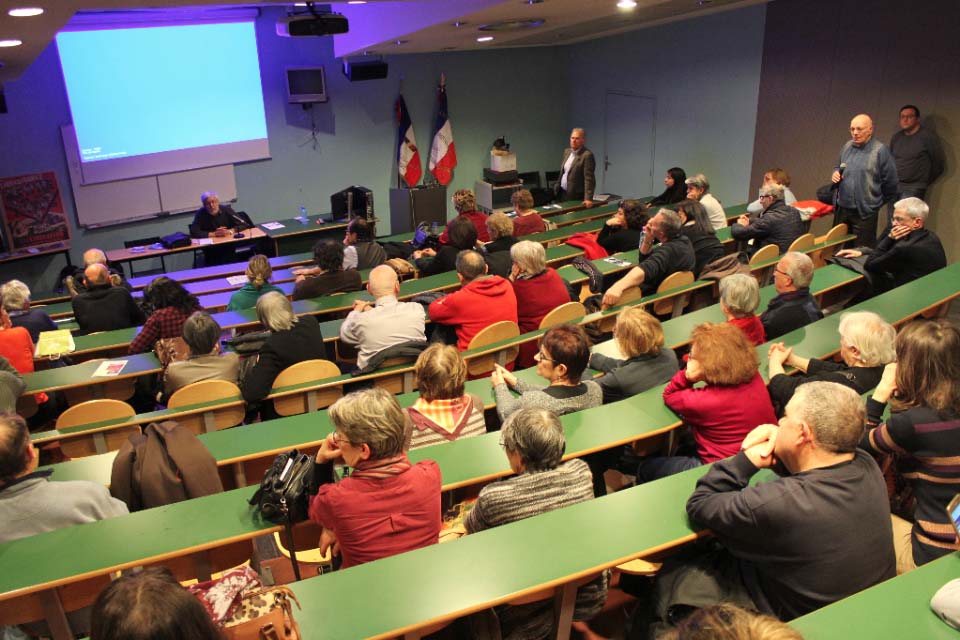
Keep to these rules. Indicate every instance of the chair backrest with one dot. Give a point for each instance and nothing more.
(632, 294)
(402, 381)
(308, 400)
(802, 243)
(215, 417)
(765, 253)
(95, 442)
(676, 304)
(497, 332)
(824, 254)
(562, 314)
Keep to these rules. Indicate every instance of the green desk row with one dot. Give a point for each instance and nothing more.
(897, 608)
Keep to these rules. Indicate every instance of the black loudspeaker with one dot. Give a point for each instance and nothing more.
(352, 201)
(365, 70)
(410, 207)
(3, 101)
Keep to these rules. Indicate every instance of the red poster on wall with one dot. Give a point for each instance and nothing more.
(33, 212)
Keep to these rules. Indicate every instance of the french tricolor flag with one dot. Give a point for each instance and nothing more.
(408, 157)
(443, 153)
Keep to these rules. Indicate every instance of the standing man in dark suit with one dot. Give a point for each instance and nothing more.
(577, 179)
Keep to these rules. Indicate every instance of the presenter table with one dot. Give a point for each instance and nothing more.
(121, 256)
(295, 236)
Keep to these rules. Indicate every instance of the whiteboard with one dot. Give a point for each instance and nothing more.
(120, 201)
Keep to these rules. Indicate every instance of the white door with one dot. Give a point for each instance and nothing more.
(629, 136)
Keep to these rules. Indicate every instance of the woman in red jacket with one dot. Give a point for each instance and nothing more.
(723, 412)
(539, 290)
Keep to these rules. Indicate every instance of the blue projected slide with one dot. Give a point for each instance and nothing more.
(155, 90)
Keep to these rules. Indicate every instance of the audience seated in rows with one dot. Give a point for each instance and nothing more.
(16, 302)
(102, 306)
(76, 283)
(773, 176)
(30, 503)
(386, 505)
(147, 605)
(497, 251)
(562, 358)
(481, 301)
(462, 235)
(697, 228)
(361, 251)
(465, 203)
(172, 304)
(621, 231)
(908, 250)
(697, 189)
(793, 306)
(648, 363)
(539, 290)
(328, 277)
(527, 220)
(11, 386)
(443, 412)
(673, 253)
(292, 339)
(206, 362)
(722, 412)
(258, 275)
(675, 182)
(866, 345)
(739, 299)
(923, 389)
(815, 534)
(534, 443)
(778, 223)
(374, 327)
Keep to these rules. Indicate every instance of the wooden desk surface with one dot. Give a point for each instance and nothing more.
(897, 608)
(81, 375)
(293, 227)
(127, 255)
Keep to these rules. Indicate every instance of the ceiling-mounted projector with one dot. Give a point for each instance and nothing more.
(321, 24)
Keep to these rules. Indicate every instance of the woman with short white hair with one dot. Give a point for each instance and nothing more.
(866, 346)
(739, 299)
(16, 302)
(539, 290)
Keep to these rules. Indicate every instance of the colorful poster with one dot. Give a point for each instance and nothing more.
(33, 211)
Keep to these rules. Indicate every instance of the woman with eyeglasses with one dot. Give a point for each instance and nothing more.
(562, 358)
(534, 443)
(387, 505)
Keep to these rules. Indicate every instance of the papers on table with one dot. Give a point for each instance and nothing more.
(273, 226)
(618, 262)
(109, 368)
(237, 280)
(204, 241)
(54, 343)
(552, 206)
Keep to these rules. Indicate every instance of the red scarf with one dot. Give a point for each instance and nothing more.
(382, 467)
(752, 328)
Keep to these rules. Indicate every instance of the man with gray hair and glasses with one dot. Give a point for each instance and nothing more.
(908, 251)
(793, 307)
(776, 557)
(674, 252)
(778, 223)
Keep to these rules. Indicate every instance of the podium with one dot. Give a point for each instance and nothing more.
(410, 207)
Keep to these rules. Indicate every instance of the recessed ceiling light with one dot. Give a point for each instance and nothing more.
(10, 43)
(25, 12)
(484, 38)
(627, 4)
(357, 2)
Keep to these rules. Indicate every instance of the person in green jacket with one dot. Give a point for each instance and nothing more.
(259, 272)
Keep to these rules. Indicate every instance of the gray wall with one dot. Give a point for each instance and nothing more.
(825, 61)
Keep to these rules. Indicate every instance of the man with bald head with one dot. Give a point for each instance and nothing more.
(384, 323)
(77, 284)
(867, 178)
(103, 306)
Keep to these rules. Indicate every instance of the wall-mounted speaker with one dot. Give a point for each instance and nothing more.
(3, 101)
(365, 70)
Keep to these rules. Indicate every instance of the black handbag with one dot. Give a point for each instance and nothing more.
(284, 494)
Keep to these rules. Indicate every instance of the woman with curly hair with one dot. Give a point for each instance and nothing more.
(330, 277)
(172, 304)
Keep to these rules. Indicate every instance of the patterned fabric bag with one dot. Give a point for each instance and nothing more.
(246, 610)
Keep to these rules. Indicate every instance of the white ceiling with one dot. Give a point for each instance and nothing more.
(420, 25)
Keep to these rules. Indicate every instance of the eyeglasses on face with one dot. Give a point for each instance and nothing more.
(539, 356)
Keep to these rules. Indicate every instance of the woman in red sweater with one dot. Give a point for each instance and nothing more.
(539, 290)
(723, 412)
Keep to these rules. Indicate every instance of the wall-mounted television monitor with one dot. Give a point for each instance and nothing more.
(306, 85)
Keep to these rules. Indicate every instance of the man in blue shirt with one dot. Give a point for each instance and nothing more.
(867, 175)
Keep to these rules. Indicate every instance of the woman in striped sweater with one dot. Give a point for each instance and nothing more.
(443, 412)
(923, 431)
